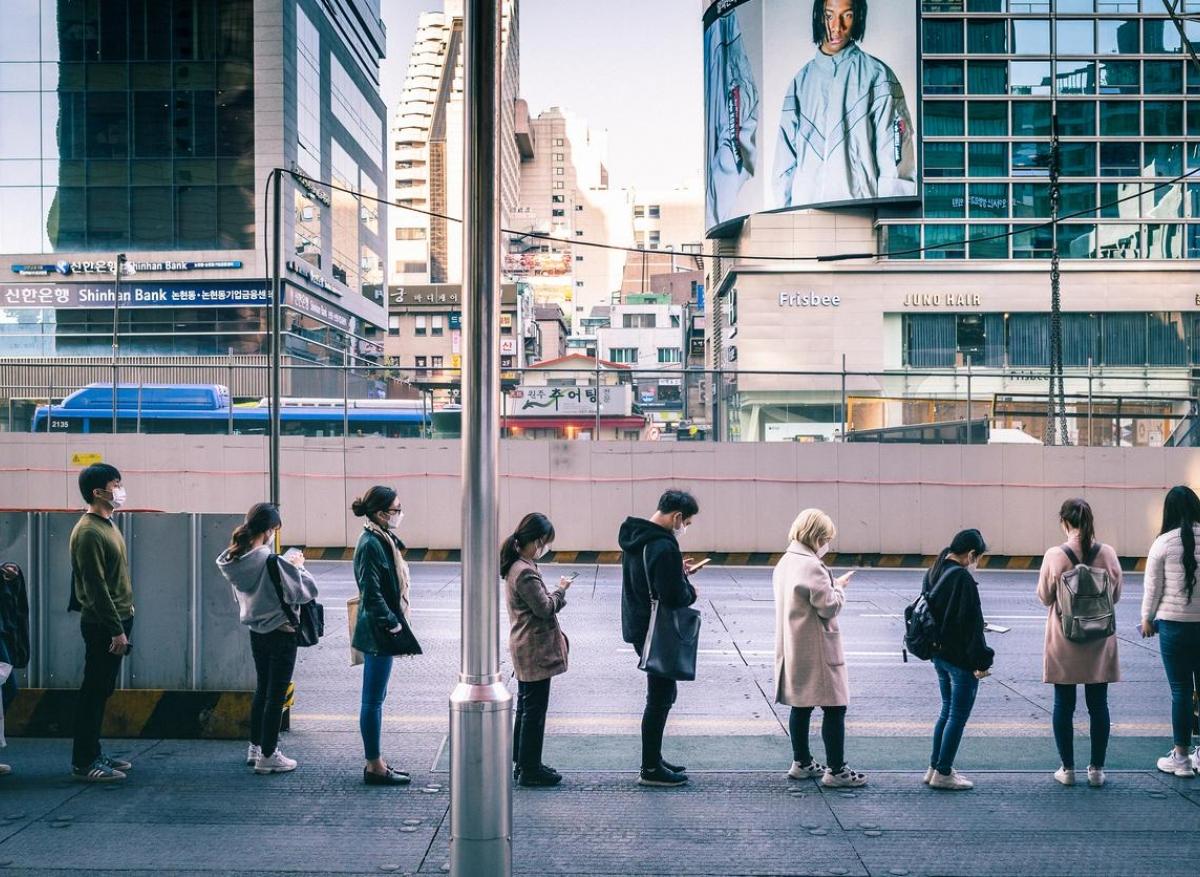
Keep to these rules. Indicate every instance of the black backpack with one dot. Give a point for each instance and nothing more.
(922, 630)
(14, 615)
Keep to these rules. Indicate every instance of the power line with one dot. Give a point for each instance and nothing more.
(830, 257)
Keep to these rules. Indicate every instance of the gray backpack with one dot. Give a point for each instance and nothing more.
(1085, 599)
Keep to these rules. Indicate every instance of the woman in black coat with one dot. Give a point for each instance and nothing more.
(382, 629)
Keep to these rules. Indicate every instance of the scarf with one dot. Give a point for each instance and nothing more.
(398, 560)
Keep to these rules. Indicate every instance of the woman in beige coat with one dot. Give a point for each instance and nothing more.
(810, 666)
(536, 641)
(1067, 664)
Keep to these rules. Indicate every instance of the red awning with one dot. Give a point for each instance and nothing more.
(576, 422)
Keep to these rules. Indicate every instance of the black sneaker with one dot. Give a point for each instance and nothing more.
(673, 768)
(660, 776)
(97, 772)
(548, 769)
(539, 778)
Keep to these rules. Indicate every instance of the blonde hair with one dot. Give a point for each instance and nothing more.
(812, 528)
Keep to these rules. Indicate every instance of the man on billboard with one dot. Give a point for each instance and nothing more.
(845, 133)
(731, 118)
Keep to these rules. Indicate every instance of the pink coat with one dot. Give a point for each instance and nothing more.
(810, 666)
(1066, 662)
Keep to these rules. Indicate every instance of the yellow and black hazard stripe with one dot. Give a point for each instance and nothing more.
(153, 714)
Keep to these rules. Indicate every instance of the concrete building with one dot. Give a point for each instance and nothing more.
(150, 129)
(978, 295)
(427, 146)
(648, 334)
(553, 331)
(669, 219)
(565, 194)
(425, 328)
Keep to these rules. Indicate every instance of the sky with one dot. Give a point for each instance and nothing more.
(633, 67)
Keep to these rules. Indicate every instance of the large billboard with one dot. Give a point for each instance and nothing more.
(808, 103)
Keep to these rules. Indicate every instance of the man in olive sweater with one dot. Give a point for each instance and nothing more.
(103, 595)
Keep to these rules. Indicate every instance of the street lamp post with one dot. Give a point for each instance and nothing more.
(481, 705)
(118, 269)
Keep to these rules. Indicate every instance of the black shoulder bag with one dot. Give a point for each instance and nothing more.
(309, 622)
(672, 639)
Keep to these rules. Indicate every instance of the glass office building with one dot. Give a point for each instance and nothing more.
(961, 278)
(150, 128)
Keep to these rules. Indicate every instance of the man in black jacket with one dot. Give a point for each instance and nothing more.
(651, 554)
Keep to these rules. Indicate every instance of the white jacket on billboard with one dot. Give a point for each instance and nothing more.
(731, 118)
(845, 133)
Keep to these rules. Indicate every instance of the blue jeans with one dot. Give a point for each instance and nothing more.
(1179, 642)
(377, 670)
(958, 687)
(1096, 697)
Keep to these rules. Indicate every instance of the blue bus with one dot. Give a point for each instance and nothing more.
(207, 409)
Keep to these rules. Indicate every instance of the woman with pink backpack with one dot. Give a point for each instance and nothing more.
(1080, 583)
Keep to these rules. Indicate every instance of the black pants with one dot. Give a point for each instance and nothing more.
(100, 671)
(1096, 698)
(660, 697)
(274, 660)
(833, 732)
(533, 699)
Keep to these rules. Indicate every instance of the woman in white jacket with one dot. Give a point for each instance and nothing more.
(246, 563)
(810, 665)
(1171, 609)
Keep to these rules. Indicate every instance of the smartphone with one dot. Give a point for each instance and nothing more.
(572, 577)
(702, 564)
(996, 628)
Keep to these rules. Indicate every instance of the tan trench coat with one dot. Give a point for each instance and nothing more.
(810, 665)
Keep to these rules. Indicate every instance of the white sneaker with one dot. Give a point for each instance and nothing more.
(1196, 759)
(843, 779)
(956, 782)
(929, 772)
(253, 754)
(1179, 765)
(809, 771)
(1065, 775)
(1095, 776)
(276, 762)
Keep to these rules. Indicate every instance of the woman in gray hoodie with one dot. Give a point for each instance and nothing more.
(247, 564)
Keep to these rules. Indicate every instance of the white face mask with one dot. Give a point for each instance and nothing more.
(118, 497)
(391, 521)
(823, 550)
(542, 552)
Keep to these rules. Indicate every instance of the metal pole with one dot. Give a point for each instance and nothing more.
(845, 419)
(116, 339)
(1089, 419)
(345, 400)
(481, 705)
(969, 401)
(276, 332)
(230, 389)
(596, 436)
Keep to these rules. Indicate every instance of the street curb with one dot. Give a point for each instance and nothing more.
(1023, 563)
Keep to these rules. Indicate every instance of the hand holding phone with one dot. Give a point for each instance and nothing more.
(844, 580)
(566, 581)
(690, 567)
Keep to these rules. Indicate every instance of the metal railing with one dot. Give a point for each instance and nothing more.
(1105, 407)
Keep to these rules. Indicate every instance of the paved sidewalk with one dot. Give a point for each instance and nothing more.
(192, 807)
